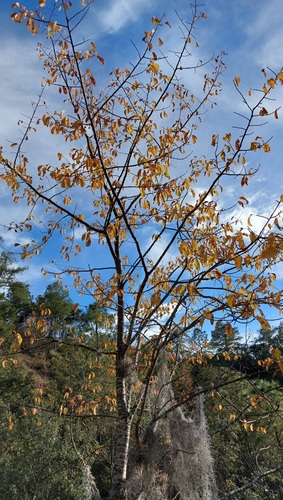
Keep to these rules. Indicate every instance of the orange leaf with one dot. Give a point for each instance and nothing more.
(213, 140)
(244, 180)
(229, 330)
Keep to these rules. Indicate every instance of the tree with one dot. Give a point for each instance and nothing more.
(58, 305)
(223, 337)
(8, 269)
(195, 265)
(15, 298)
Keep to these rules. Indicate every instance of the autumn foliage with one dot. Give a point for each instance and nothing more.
(136, 182)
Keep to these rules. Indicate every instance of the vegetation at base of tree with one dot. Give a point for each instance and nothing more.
(129, 389)
(43, 445)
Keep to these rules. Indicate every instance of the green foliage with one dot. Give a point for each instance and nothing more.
(222, 339)
(58, 306)
(8, 270)
(246, 430)
(55, 399)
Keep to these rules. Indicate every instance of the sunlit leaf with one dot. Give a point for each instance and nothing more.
(263, 322)
(237, 80)
(271, 82)
(266, 147)
(229, 330)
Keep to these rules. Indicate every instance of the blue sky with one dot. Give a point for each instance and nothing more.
(249, 32)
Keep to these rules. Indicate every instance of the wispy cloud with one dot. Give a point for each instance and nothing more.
(116, 14)
(251, 34)
(264, 34)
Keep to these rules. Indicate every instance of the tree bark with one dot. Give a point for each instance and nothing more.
(119, 488)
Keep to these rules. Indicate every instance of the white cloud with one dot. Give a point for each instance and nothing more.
(119, 13)
(20, 80)
(264, 34)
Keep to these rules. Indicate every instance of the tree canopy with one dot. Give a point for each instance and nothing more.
(167, 257)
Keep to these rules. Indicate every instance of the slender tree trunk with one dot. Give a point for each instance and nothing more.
(119, 488)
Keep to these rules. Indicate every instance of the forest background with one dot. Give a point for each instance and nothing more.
(165, 235)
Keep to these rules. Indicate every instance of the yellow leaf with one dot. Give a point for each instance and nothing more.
(184, 248)
(194, 139)
(153, 68)
(249, 221)
(155, 20)
(228, 330)
(53, 26)
(253, 236)
(263, 323)
(271, 82)
(238, 262)
(237, 80)
(265, 89)
(160, 42)
(276, 353)
(227, 137)
(155, 299)
(88, 239)
(281, 198)
(145, 204)
(266, 147)
(217, 274)
(213, 140)
(196, 264)
(231, 301)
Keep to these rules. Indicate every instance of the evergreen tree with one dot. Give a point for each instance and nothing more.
(56, 306)
(223, 338)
